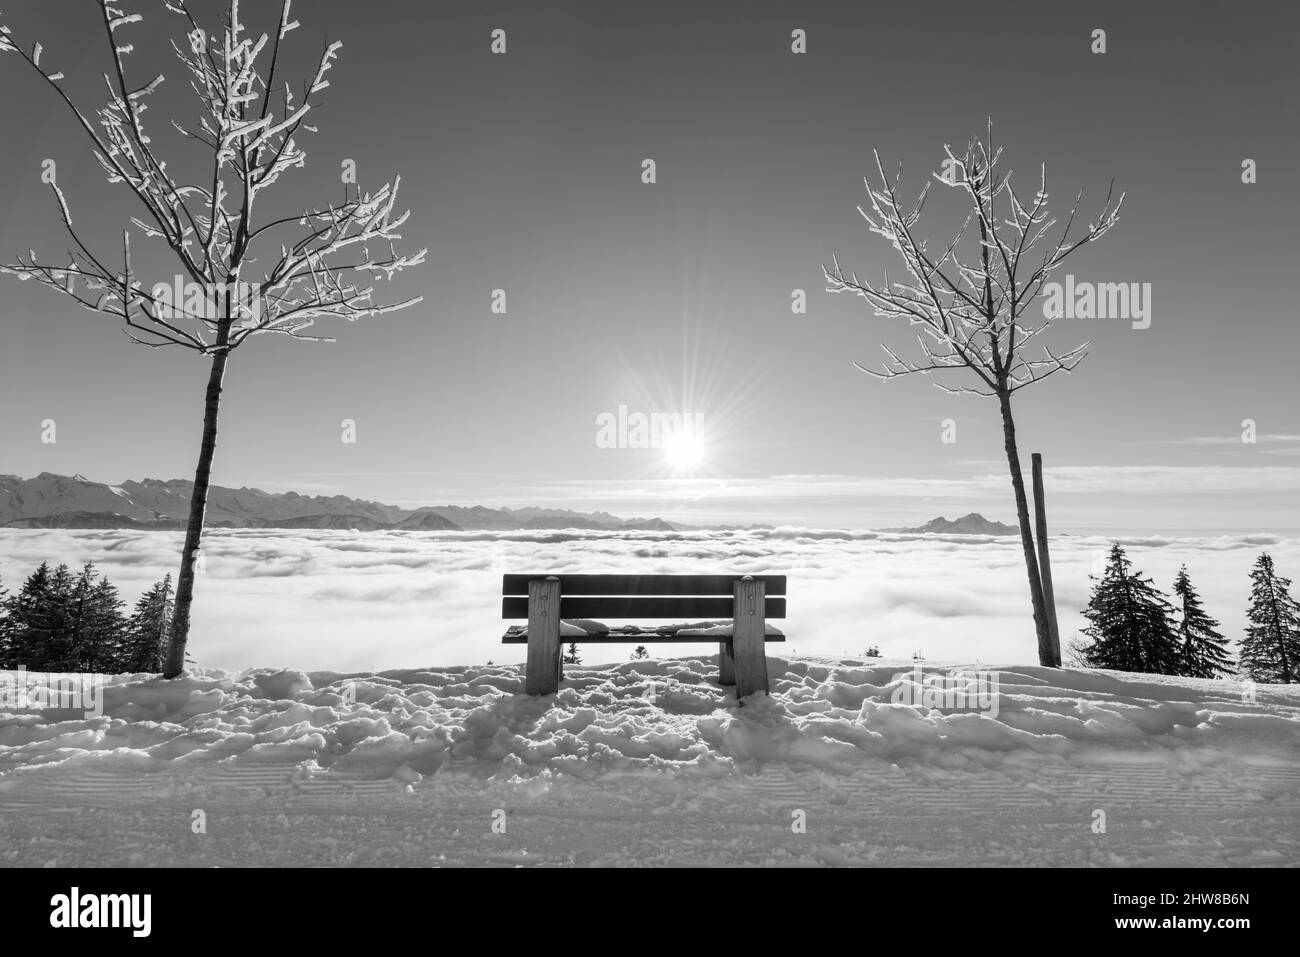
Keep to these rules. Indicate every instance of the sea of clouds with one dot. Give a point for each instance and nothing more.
(348, 601)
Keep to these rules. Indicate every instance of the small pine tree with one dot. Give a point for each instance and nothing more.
(1129, 628)
(4, 627)
(60, 651)
(1270, 652)
(23, 625)
(97, 624)
(1202, 649)
(38, 620)
(872, 652)
(145, 645)
(639, 652)
(571, 657)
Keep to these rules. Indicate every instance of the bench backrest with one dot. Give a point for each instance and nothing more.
(685, 597)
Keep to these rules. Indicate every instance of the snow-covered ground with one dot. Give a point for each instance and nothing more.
(651, 762)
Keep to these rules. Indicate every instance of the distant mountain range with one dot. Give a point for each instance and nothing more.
(60, 501)
(971, 524)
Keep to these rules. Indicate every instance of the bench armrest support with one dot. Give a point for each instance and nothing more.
(543, 672)
(748, 632)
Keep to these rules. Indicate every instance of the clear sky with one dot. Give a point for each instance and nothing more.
(523, 173)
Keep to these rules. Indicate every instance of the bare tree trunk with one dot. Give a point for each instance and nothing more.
(1044, 557)
(180, 629)
(1045, 656)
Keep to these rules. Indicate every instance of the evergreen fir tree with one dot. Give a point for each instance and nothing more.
(639, 652)
(58, 653)
(571, 656)
(61, 623)
(145, 645)
(1270, 652)
(1203, 651)
(36, 621)
(21, 616)
(5, 652)
(98, 626)
(1129, 618)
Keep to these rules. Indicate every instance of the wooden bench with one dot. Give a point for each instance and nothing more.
(742, 602)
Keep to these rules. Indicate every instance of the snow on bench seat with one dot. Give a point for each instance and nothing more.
(518, 634)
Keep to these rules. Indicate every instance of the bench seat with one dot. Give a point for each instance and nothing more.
(564, 609)
(705, 632)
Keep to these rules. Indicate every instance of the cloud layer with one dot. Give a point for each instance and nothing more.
(314, 599)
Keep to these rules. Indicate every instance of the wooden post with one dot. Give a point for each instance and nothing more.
(1044, 560)
(748, 630)
(726, 663)
(543, 674)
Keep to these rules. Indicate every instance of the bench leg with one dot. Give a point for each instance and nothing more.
(543, 673)
(726, 664)
(748, 634)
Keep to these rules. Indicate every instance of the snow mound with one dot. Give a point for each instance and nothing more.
(667, 717)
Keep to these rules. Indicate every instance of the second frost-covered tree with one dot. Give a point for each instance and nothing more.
(1129, 622)
(974, 304)
(1270, 652)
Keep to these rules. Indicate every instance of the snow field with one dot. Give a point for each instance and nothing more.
(652, 762)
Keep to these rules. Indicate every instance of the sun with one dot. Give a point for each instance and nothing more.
(683, 451)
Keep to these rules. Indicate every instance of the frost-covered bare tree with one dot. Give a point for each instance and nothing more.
(264, 271)
(971, 299)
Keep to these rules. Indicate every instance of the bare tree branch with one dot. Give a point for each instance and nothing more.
(251, 135)
(975, 317)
